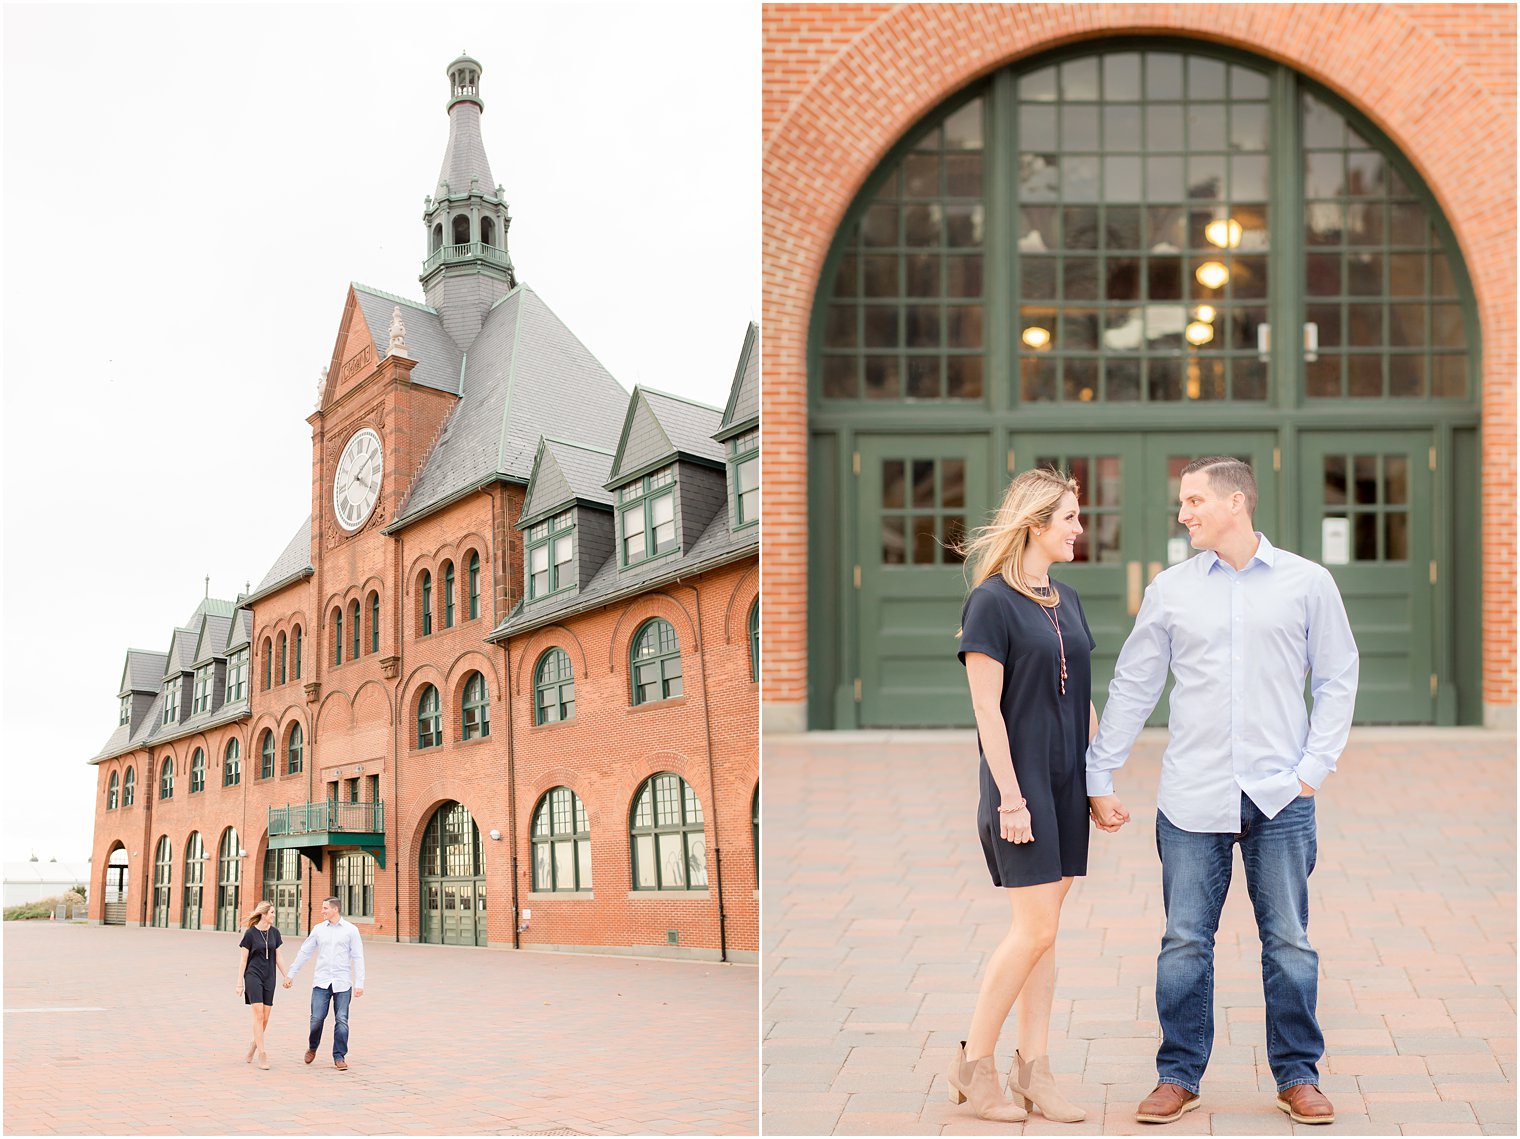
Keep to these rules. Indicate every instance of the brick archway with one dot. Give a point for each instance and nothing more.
(842, 86)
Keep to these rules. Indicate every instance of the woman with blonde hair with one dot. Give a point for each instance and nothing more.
(256, 969)
(1026, 646)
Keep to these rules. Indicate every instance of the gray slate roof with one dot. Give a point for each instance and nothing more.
(562, 473)
(525, 376)
(465, 156)
(181, 652)
(659, 426)
(426, 340)
(212, 641)
(743, 410)
(143, 672)
(240, 632)
(293, 560)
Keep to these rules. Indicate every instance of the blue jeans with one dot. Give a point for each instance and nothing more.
(319, 1002)
(1278, 855)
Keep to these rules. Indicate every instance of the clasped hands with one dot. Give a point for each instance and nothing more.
(1108, 814)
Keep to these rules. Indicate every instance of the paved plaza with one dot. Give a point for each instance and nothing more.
(112, 1030)
(878, 915)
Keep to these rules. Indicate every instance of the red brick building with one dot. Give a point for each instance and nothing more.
(500, 688)
(1114, 237)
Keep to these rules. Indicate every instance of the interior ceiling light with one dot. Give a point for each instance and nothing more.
(1199, 333)
(1205, 313)
(1212, 274)
(1224, 233)
(1036, 337)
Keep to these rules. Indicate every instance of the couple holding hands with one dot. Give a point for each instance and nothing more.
(1239, 626)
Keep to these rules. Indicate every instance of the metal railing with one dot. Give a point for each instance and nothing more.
(327, 815)
(466, 252)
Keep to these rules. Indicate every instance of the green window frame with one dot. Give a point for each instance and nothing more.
(474, 585)
(229, 878)
(475, 708)
(163, 879)
(553, 688)
(172, 688)
(266, 754)
(549, 555)
(124, 716)
(295, 749)
(647, 518)
(374, 622)
(129, 787)
(354, 885)
(561, 844)
(429, 718)
(666, 835)
(200, 700)
(427, 603)
(267, 652)
(448, 595)
(354, 616)
(744, 477)
(195, 880)
(197, 771)
(338, 635)
(296, 651)
(232, 764)
(754, 640)
(281, 644)
(237, 675)
(655, 662)
(113, 791)
(166, 779)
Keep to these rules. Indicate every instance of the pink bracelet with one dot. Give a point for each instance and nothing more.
(1012, 810)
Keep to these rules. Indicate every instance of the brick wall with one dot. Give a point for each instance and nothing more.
(842, 83)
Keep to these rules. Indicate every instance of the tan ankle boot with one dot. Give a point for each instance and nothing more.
(979, 1083)
(1033, 1086)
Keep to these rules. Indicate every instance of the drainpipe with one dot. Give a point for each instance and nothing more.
(147, 857)
(712, 787)
(506, 652)
(398, 575)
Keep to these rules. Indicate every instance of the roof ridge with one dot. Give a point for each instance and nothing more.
(577, 446)
(681, 399)
(392, 297)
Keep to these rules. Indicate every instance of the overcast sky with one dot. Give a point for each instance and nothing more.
(188, 192)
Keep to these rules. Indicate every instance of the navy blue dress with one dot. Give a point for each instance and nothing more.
(1047, 731)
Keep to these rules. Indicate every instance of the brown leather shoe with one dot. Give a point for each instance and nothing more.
(341, 1065)
(1306, 1104)
(1167, 1104)
(311, 1054)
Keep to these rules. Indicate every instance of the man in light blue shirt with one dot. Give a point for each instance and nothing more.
(1239, 626)
(338, 975)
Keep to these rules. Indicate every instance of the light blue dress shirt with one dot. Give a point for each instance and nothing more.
(1239, 644)
(340, 956)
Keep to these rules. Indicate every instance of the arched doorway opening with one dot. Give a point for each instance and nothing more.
(282, 886)
(452, 874)
(115, 896)
(229, 878)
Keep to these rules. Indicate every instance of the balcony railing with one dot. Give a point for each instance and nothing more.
(327, 815)
(467, 252)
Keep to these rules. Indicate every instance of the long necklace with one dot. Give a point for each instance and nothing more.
(1055, 623)
(265, 936)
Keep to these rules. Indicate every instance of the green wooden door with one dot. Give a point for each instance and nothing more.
(918, 493)
(1365, 506)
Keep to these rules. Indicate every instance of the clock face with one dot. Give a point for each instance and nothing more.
(356, 487)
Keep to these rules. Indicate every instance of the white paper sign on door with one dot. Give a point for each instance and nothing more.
(1177, 550)
(1335, 541)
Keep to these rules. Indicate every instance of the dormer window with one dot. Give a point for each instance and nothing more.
(551, 555)
(125, 716)
(744, 476)
(201, 702)
(237, 674)
(171, 700)
(647, 516)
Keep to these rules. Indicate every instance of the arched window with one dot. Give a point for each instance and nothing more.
(561, 843)
(754, 830)
(665, 830)
(232, 764)
(195, 878)
(294, 750)
(354, 884)
(268, 665)
(448, 595)
(754, 640)
(354, 617)
(426, 601)
(429, 718)
(553, 688)
(229, 877)
(474, 585)
(374, 622)
(461, 229)
(487, 231)
(266, 755)
(337, 640)
(656, 663)
(197, 771)
(437, 237)
(296, 651)
(280, 646)
(129, 787)
(163, 879)
(113, 791)
(476, 708)
(166, 780)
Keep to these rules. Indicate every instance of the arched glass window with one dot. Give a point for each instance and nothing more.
(754, 830)
(229, 878)
(427, 603)
(461, 229)
(754, 640)
(296, 651)
(475, 708)
(195, 879)
(113, 791)
(268, 665)
(129, 787)
(561, 843)
(354, 617)
(429, 718)
(665, 830)
(656, 663)
(280, 649)
(166, 780)
(474, 585)
(197, 771)
(232, 764)
(266, 755)
(448, 595)
(553, 688)
(163, 880)
(337, 640)
(374, 622)
(294, 750)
